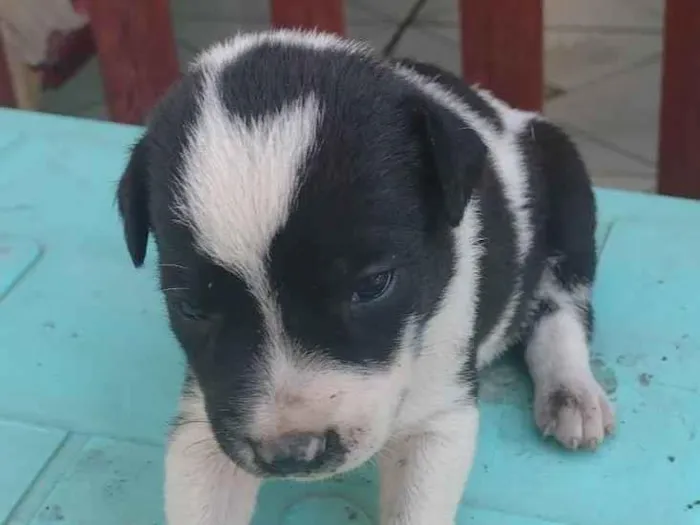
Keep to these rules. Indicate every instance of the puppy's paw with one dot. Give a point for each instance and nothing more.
(576, 411)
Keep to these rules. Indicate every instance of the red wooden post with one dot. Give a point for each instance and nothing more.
(502, 49)
(327, 15)
(137, 54)
(7, 92)
(679, 141)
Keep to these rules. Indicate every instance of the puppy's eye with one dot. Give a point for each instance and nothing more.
(372, 287)
(191, 311)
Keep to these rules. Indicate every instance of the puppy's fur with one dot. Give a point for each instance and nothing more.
(344, 241)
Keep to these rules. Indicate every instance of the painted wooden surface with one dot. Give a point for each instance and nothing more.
(502, 49)
(326, 15)
(679, 147)
(137, 54)
(89, 374)
(7, 93)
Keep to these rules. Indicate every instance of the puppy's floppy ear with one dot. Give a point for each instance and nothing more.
(456, 153)
(132, 200)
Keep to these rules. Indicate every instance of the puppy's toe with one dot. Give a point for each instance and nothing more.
(577, 413)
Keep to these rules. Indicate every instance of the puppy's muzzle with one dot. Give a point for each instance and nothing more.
(297, 453)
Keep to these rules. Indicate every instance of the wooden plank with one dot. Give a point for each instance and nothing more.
(7, 92)
(326, 15)
(502, 49)
(137, 54)
(679, 141)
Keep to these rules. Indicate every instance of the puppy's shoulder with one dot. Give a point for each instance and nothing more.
(438, 78)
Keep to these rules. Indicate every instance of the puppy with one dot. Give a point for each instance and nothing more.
(344, 241)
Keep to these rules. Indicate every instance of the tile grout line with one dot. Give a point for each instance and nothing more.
(605, 30)
(58, 428)
(46, 479)
(378, 14)
(626, 69)
(403, 26)
(606, 235)
(608, 145)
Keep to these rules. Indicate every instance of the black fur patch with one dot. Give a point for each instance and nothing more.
(498, 264)
(571, 213)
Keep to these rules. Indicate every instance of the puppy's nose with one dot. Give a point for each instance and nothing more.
(291, 453)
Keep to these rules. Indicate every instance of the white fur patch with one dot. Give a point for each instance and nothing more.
(202, 485)
(558, 347)
(240, 178)
(227, 52)
(434, 385)
(569, 403)
(563, 333)
(306, 392)
(423, 474)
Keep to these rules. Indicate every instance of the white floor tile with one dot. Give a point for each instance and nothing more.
(604, 13)
(576, 59)
(622, 110)
(365, 12)
(438, 45)
(611, 169)
(377, 35)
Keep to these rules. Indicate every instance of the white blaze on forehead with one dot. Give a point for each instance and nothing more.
(240, 178)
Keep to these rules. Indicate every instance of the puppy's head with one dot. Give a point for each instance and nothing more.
(302, 197)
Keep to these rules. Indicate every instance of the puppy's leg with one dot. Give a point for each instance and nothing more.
(423, 475)
(202, 485)
(569, 402)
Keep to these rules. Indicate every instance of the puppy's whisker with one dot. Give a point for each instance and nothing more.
(175, 289)
(172, 265)
(193, 422)
(210, 448)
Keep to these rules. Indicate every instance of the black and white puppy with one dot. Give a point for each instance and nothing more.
(344, 241)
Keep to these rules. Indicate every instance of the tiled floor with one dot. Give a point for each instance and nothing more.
(603, 56)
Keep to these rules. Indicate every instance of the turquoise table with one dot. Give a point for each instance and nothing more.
(89, 374)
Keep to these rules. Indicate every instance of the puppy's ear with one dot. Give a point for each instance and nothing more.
(132, 200)
(456, 153)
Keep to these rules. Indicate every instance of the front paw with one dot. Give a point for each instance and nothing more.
(575, 410)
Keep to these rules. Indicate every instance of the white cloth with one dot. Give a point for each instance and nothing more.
(27, 26)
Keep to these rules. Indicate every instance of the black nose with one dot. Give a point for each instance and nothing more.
(292, 453)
